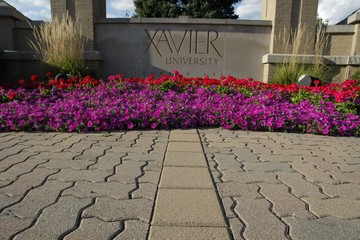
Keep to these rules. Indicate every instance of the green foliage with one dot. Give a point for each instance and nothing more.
(166, 86)
(303, 95)
(191, 8)
(348, 107)
(356, 75)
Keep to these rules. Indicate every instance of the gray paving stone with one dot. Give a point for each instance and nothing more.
(114, 190)
(195, 233)
(10, 225)
(6, 200)
(108, 161)
(56, 219)
(343, 177)
(4, 153)
(153, 166)
(37, 199)
(312, 174)
(236, 227)
(66, 164)
(245, 155)
(299, 186)
(93, 153)
(4, 182)
(186, 177)
(284, 203)
(150, 177)
(259, 149)
(144, 157)
(210, 137)
(79, 147)
(127, 172)
(280, 158)
(27, 182)
(93, 228)
(337, 207)
(187, 207)
(249, 177)
(350, 190)
(10, 143)
(19, 169)
(231, 189)
(183, 131)
(52, 156)
(227, 162)
(134, 230)
(71, 175)
(44, 148)
(323, 229)
(321, 164)
(260, 222)
(108, 209)
(70, 140)
(146, 191)
(268, 167)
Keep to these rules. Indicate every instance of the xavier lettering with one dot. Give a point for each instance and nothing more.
(189, 42)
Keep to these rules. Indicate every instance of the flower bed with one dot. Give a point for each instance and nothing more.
(177, 102)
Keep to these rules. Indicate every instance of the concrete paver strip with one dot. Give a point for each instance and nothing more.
(194, 233)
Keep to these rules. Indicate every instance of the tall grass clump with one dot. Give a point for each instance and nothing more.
(59, 45)
(298, 44)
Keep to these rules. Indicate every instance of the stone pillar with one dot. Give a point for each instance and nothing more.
(287, 16)
(85, 12)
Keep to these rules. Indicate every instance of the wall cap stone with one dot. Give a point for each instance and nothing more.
(329, 60)
(185, 20)
(341, 29)
(354, 19)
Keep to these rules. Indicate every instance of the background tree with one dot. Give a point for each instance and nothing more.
(157, 8)
(192, 8)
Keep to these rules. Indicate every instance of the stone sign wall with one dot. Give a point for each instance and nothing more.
(193, 47)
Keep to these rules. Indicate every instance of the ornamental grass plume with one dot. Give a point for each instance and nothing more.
(59, 44)
(297, 44)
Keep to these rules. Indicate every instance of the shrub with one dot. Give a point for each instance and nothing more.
(297, 44)
(59, 45)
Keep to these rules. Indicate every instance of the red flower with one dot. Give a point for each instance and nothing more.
(49, 74)
(21, 81)
(34, 78)
(12, 95)
(316, 82)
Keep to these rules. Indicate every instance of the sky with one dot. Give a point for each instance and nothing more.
(331, 10)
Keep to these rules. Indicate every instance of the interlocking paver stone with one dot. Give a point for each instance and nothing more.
(15, 159)
(260, 222)
(21, 168)
(32, 204)
(299, 186)
(337, 207)
(351, 191)
(323, 229)
(66, 163)
(134, 230)
(146, 191)
(10, 225)
(127, 171)
(227, 189)
(70, 175)
(245, 154)
(108, 209)
(249, 177)
(27, 181)
(12, 150)
(267, 167)
(93, 228)
(312, 174)
(284, 203)
(114, 190)
(56, 219)
(227, 162)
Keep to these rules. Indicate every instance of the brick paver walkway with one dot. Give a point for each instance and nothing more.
(194, 184)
